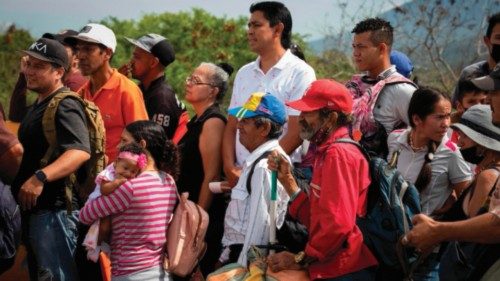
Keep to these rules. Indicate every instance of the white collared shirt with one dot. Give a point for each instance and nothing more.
(247, 218)
(448, 168)
(287, 80)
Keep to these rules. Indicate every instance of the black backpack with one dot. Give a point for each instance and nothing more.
(292, 236)
(10, 223)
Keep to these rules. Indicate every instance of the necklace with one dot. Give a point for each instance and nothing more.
(410, 142)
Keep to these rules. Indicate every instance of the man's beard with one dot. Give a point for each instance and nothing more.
(307, 132)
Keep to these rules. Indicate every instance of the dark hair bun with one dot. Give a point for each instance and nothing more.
(226, 67)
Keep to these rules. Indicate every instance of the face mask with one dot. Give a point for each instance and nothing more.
(495, 52)
(470, 155)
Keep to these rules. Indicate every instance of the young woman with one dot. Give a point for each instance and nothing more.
(429, 160)
(140, 207)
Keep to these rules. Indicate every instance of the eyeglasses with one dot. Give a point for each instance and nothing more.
(192, 81)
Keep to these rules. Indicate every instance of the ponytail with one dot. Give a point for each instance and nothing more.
(425, 174)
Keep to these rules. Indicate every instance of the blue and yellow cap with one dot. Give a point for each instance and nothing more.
(261, 104)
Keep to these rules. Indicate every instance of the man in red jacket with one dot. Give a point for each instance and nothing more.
(339, 185)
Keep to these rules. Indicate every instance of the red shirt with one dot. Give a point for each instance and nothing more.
(338, 195)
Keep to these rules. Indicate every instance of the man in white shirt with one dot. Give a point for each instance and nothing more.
(248, 218)
(276, 71)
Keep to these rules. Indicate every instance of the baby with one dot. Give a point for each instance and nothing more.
(130, 161)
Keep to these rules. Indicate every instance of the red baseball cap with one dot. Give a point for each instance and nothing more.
(324, 93)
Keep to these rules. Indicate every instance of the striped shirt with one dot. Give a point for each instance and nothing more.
(140, 209)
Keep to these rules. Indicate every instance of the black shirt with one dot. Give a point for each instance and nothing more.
(72, 133)
(192, 174)
(162, 105)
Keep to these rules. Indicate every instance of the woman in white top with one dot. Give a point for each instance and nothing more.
(429, 160)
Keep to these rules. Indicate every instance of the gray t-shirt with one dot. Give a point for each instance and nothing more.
(448, 168)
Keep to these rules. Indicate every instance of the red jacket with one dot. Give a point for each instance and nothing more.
(338, 195)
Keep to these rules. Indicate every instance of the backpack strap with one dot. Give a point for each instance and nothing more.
(252, 169)
(50, 133)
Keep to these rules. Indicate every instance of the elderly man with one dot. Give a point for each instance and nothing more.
(49, 228)
(338, 193)
(152, 54)
(247, 221)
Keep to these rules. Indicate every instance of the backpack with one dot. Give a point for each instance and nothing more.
(10, 223)
(292, 235)
(185, 244)
(391, 204)
(368, 131)
(83, 180)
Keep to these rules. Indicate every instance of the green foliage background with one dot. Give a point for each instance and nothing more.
(197, 36)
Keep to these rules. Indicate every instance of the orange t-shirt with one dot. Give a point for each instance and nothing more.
(121, 102)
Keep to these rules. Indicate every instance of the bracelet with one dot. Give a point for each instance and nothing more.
(294, 195)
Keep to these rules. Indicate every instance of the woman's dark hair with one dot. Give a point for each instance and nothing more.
(422, 104)
(163, 151)
(297, 51)
(134, 148)
(423, 101)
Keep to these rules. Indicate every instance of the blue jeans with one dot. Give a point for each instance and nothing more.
(51, 242)
(367, 274)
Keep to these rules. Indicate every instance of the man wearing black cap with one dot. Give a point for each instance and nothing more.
(491, 84)
(73, 78)
(49, 229)
(152, 54)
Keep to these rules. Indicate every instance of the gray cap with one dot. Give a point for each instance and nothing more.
(490, 82)
(157, 45)
(476, 123)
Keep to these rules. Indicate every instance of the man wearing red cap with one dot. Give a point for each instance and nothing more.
(337, 196)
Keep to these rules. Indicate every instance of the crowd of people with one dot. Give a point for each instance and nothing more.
(280, 120)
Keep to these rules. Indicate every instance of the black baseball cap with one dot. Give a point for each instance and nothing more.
(61, 35)
(49, 50)
(157, 45)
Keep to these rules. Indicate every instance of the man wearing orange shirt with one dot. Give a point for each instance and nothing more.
(118, 98)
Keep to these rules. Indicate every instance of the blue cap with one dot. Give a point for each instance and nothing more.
(261, 104)
(402, 62)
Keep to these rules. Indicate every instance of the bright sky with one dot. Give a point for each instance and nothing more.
(309, 17)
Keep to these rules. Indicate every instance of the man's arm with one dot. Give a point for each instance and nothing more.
(62, 167)
(228, 151)
(291, 140)
(10, 162)
(427, 232)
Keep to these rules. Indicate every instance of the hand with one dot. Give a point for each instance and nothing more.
(282, 261)
(232, 175)
(126, 69)
(119, 181)
(277, 162)
(424, 235)
(24, 64)
(29, 192)
(446, 206)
